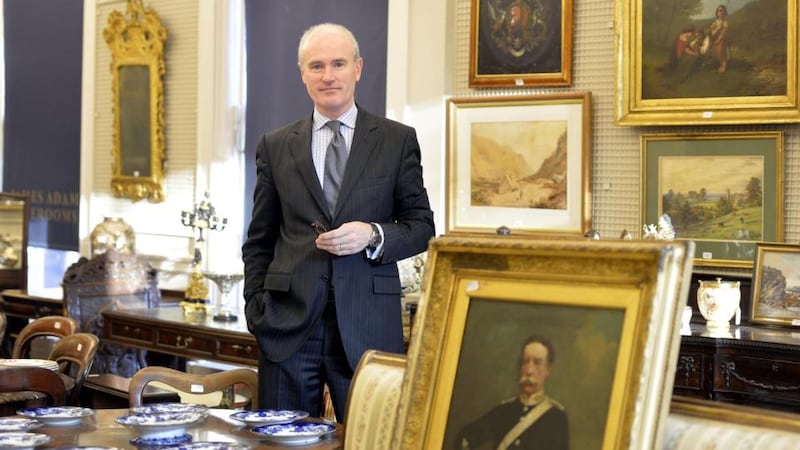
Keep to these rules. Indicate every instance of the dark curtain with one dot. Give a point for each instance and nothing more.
(42, 129)
(275, 93)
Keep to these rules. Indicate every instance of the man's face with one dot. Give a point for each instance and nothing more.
(534, 369)
(330, 71)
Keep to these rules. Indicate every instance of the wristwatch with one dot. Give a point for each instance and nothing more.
(375, 239)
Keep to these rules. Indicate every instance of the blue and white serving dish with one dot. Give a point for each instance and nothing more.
(57, 415)
(149, 442)
(295, 433)
(268, 416)
(23, 440)
(169, 407)
(161, 425)
(207, 446)
(18, 424)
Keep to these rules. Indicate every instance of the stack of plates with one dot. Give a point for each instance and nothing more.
(268, 416)
(23, 440)
(18, 424)
(161, 428)
(30, 362)
(295, 433)
(57, 415)
(170, 408)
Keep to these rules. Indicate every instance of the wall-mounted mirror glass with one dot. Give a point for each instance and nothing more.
(14, 217)
(136, 40)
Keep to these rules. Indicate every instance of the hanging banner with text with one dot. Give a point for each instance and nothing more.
(42, 125)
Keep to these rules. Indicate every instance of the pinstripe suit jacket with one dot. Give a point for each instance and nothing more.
(287, 277)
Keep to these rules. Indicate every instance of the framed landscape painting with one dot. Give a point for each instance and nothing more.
(522, 162)
(776, 287)
(520, 43)
(724, 191)
(707, 62)
(495, 307)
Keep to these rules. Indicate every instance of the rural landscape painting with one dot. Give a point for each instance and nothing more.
(709, 48)
(777, 284)
(723, 203)
(723, 191)
(519, 164)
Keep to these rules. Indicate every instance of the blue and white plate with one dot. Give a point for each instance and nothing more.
(295, 433)
(30, 362)
(207, 446)
(57, 415)
(18, 424)
(268, 416)
(161, 425)
(23, 440)
(143, 442)
(86, 447)
(169, 407)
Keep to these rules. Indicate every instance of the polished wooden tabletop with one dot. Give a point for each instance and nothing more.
(102, 430)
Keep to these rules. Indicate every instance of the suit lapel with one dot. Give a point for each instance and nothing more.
(300, 149)
(364, 141)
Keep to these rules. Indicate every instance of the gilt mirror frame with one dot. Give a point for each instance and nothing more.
(136, 40)
(14, 223)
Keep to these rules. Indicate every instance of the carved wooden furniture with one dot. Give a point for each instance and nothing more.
(75, 355)
(751, 365)
(166, 330)
(111, 278)
(56, 327)
(21, 306)
(16, 384)
(229, 382)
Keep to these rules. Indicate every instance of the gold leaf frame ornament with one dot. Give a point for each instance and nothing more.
(136, 40)
(609, 308)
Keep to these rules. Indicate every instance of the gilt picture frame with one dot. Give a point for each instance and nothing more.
(520, 43)
(776, 292)
(522, 162)
(708, 63)
(724, 191)
(706, 423)
(611, 308)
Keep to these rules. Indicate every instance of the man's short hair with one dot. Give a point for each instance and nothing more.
(551, 354)
(307, 34)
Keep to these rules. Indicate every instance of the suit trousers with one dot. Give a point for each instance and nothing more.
(297, 382)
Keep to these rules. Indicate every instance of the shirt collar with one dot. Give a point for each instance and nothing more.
(348, 119)
(532, 399)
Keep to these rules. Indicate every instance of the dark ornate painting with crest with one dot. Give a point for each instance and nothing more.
(521, 42)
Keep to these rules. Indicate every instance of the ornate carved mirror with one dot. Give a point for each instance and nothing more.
(14, 217)
(136, 39)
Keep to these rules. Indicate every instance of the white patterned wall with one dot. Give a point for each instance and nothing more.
(617, 178)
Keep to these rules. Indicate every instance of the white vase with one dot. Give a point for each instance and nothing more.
(718, 301)
(113, 233)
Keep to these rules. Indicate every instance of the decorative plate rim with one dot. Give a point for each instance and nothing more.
(260, 420)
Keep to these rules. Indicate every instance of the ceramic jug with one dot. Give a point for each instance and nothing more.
(718, 301)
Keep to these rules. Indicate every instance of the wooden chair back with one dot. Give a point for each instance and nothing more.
(37, 379)
(227, 382)
(55, 326)
(75, 355)
(3, 327)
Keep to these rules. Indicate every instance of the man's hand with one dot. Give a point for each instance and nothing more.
(348, 239)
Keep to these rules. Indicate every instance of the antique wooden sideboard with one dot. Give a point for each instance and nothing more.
(167, 330)
(751, 365)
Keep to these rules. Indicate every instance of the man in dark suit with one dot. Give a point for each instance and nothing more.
(321, 279)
